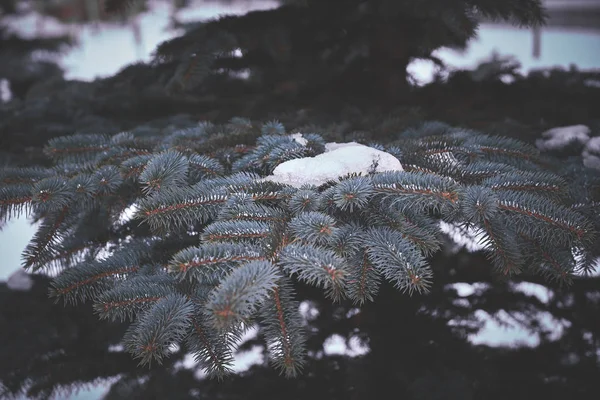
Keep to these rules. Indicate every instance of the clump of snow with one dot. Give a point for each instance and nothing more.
(464, 289)
(560, 137)
(5, 93)
(505, 329)
(542, 293)
(20, 280)
(339, 159)
(298, 138)
(469, 238)
(352, 312)
(128, 214)
(308, 310)
(336, 344)
(591, 153)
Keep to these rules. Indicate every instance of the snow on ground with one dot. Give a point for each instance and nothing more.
(20, 281)
(464, 289)
(591, 153)
(470, 238)
(106, 47)
(5, 94)
(560, 137)
(14, 237)
(308, 310)
(507, 329)
(338, 159)
(337, 345)
(542, 293)
(559, 47)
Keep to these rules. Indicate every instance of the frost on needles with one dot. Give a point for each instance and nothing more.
(213, 247)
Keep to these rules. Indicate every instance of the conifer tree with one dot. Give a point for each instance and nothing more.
(343, 46)
(214, 248)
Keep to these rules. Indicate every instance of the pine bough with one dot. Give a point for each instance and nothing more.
(213, 248)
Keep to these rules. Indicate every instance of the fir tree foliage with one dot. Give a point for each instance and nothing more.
(213, 248)
(311, 43)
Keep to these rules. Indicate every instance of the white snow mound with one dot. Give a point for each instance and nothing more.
(20, 280)
(591, 153)
(560, 137)
(339, 159)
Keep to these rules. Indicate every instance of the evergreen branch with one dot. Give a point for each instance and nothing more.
(68, 251)
(283, 331)
(353, 193)
(117, 154)
(83, 188)
(130, 297)
(555, 263)
(420, 230)
(265, 191)
(539, 217)
(251, 211)
(363, 279)
(397, 260)
(211, 262)
(87, 282)
(502, 240)
(133, 166)
(540, 183)
(417, 191)
(316, 266)
(50, 195)
(193, 71)
(241, 293)
(481, 206)
(164, 171)
(347, 240)
(89, 279)
(40, 249)
(313, 227)
(23, 176)
(156, 329)
(522, 12)
(211, 348)
(199, 61)
(108, 180)
(304, 200)
(203, 167)
(14, 200)
(477, 171)
(501, 149)
(177, 207)
(78, 148)
(272, 128)
(243, 231)
(233, 184)
(269, 152)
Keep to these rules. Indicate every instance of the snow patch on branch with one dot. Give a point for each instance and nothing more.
(339, 159)
(298, 138)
